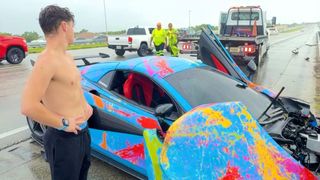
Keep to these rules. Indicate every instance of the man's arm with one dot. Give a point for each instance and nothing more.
(152, 34)
(166, 34)
(35, 89)
(176, 32)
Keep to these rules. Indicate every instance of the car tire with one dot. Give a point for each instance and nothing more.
(37, 130)
(143, 50)
(257, 59)
(120, 52)
(15, 55)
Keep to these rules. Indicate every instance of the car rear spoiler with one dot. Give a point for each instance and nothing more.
(86, 62)
(83, 58)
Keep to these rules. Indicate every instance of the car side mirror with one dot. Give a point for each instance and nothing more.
(163, 109)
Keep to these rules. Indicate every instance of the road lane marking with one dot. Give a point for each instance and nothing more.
(12, 132)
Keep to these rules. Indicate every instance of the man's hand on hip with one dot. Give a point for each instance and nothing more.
(74, 124)
(88, 112)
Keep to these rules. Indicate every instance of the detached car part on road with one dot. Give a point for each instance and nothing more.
(164, 117)
(13, 49)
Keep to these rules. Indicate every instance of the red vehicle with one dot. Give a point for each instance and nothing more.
(13, 49)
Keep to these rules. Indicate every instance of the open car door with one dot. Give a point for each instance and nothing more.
(212, 52)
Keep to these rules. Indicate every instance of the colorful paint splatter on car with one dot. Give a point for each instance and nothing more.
(85, 70)
(157, 65)
(231, 173)
(164, 69)
(216, 141)
(103, 143)
(213, 143)
(148, 123)
(261, 89)
(143, 122)
(98, 101)
(128, 147)
(133, 153)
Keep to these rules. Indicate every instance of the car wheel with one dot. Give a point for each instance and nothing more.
(120, 52)
(258, 56)
(15, 55)
(37, 130)
(143, 50)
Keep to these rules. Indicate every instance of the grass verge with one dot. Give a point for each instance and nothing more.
(71, 47)
(294, 29)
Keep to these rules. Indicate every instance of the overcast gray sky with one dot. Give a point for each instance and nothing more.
(18, 16)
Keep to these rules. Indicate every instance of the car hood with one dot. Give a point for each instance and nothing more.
(223, 141)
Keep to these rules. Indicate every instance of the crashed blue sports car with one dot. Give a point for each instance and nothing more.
(172, 118)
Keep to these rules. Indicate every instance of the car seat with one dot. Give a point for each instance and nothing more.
(139, 89)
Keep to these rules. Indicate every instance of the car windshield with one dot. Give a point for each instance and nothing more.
(245, 16)
(136, 31)
(204, 85)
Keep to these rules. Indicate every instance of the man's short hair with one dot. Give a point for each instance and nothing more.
(51, 16)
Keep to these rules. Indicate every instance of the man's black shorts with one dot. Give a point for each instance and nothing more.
(68, 154)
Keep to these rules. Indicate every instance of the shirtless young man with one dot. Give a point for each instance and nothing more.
(53, 96)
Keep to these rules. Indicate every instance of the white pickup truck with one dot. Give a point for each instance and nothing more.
(136, 39)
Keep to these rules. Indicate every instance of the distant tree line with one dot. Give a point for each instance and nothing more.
(109, 32)
(116, 32)
(198, 28)
(28, 35)
(6, 34)
(32, 35)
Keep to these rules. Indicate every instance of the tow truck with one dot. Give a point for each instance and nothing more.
(243, 32)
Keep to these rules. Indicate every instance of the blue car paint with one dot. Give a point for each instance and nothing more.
(97, 71)
(115, 143)
(94, 74)
(223, 141)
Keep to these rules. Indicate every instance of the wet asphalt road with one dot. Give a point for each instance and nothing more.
(299, 73)
(296, 72)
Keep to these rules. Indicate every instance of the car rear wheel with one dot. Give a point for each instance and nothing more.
(143, 50)
(120, 52)
(258, 56)
(37, 130)
(15, 55)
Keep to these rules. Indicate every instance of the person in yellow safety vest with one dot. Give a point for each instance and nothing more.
(172, 35)
(159, 39)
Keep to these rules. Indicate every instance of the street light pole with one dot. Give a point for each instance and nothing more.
(189, 20)
(105, 16)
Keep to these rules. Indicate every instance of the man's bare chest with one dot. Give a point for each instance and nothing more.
(68, 75)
